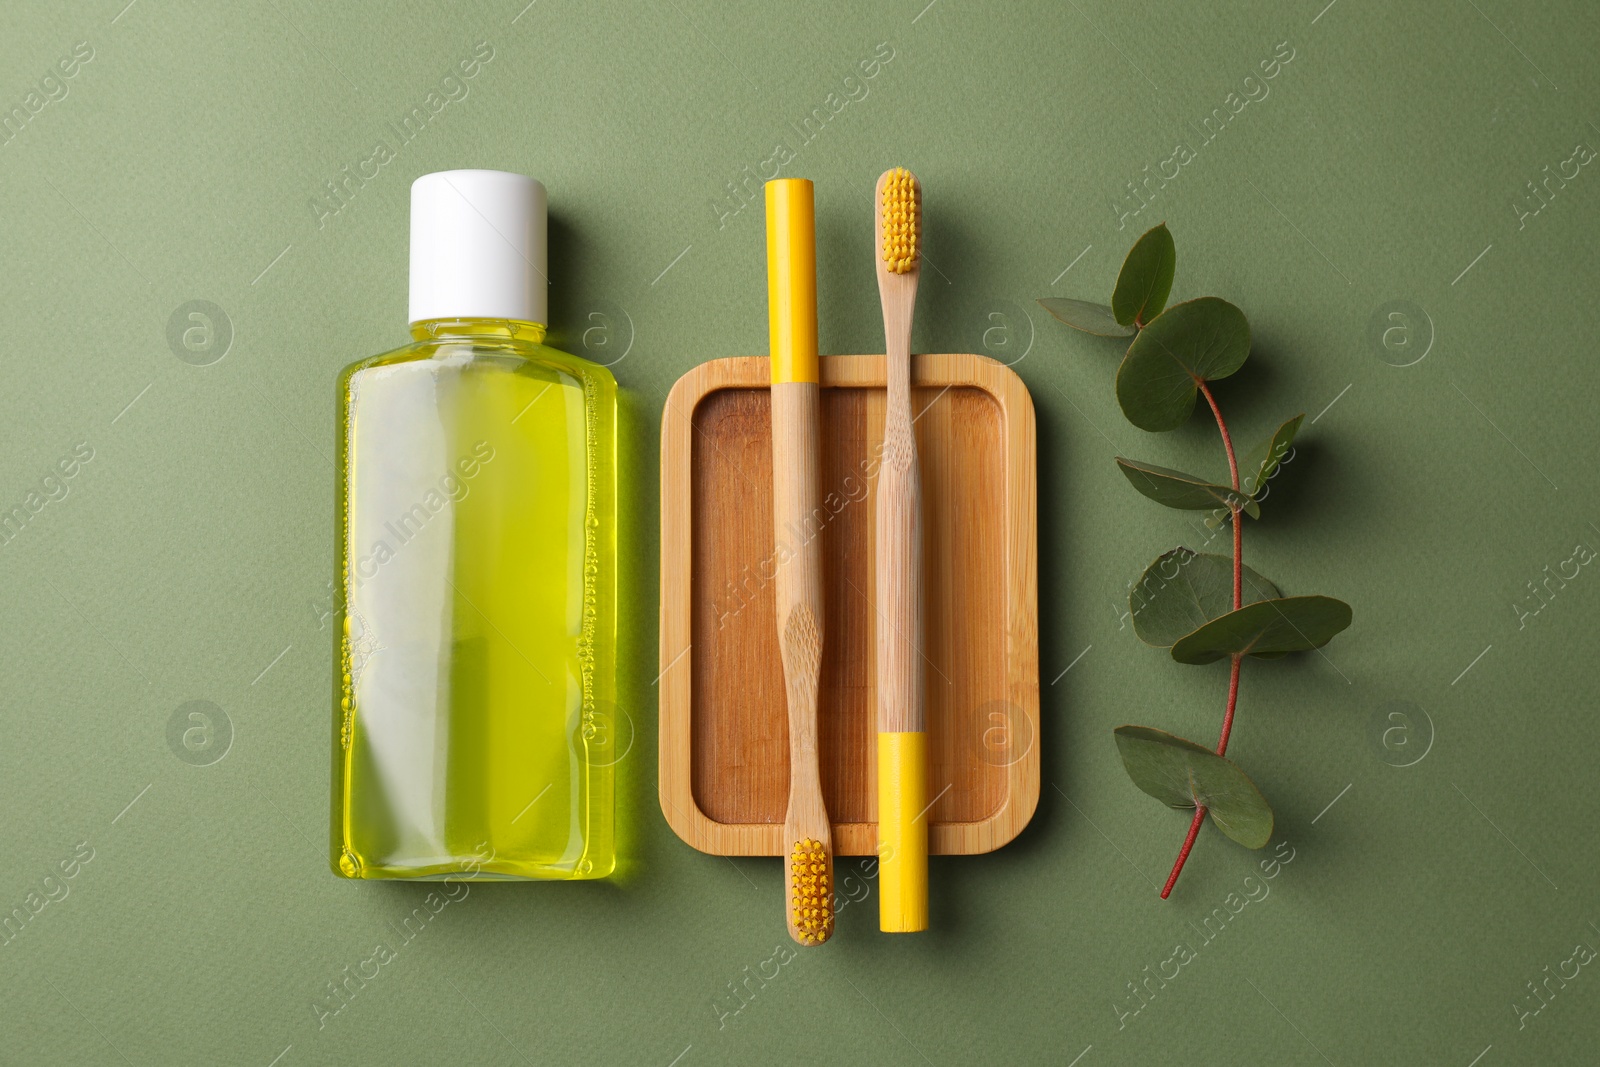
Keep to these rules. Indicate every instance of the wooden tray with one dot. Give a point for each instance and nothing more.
(724, 743)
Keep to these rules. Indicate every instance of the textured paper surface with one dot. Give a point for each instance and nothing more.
(1383, 167)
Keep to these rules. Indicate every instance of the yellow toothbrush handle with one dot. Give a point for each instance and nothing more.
(903, 832)
(792, 279)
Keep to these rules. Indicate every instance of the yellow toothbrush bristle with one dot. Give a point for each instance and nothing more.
(902, 220)
(811, 904)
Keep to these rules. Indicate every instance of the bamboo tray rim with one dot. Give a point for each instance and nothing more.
(948, 370)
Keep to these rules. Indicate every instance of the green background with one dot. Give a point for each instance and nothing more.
(190, 558)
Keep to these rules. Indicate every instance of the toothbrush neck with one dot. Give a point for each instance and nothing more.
(498, 329)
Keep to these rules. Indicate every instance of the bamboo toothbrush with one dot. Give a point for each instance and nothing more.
(796, 435)
(902, 717)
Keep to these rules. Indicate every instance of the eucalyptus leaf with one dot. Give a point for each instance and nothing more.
(1183, 491)
(1271, 457)
(1182, 774)
(1146, 278)
(1183, 590)
(1083, 315)
(1286, 624)
(1189, 343)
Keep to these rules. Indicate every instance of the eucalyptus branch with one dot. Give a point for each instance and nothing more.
(1208, 615)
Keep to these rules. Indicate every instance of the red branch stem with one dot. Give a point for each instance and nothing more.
(1233, 702)
(1238, 602)
(1183, 856)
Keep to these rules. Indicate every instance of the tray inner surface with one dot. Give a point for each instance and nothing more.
(739, 736)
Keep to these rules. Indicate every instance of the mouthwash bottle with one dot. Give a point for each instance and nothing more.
(475, 579)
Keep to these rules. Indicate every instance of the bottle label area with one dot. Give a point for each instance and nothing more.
(472, 582)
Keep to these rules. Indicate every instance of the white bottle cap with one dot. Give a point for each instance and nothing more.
(478, 247)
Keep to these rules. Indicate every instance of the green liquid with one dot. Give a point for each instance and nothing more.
(475, 601)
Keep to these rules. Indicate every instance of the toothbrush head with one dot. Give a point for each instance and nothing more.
(811, 902)
(902, 220)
